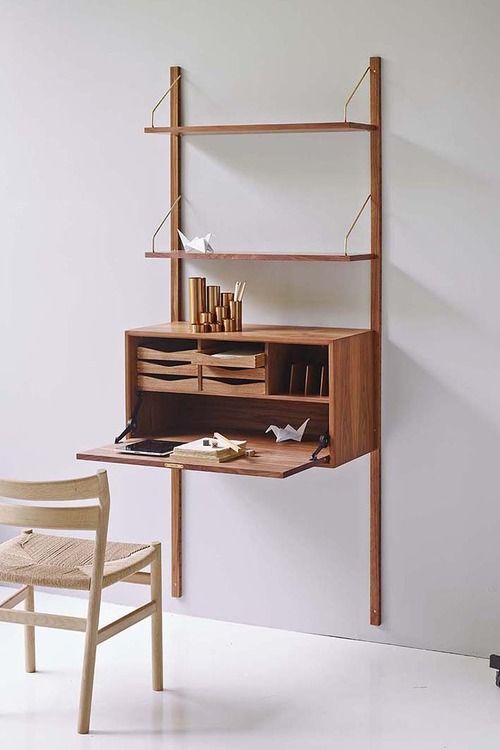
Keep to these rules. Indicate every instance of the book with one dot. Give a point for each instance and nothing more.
(196, 449)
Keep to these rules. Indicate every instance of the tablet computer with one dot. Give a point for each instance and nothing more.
(149, 447)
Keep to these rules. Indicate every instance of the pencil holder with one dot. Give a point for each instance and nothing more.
(209, 309)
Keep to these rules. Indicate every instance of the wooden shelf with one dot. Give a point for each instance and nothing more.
(251, 332)
(255, 256)
(275, 127)
(152, 385)
(273, 460)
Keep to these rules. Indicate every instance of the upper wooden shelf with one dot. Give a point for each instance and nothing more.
(275, 127)
(329, 257)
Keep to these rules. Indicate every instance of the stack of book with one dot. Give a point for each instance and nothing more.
(197, 449)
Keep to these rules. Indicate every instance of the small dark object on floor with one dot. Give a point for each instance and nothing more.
(495, 664)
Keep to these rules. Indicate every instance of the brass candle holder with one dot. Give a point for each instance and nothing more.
(211, 311)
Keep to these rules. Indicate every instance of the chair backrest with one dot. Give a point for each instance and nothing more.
(93, 517)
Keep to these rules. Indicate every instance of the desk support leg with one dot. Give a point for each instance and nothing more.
(176, 531)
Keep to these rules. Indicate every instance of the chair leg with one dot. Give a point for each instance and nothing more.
(156, 621)
(29, 634)
(87, 684)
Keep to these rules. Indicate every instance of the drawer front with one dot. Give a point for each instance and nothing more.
(183, 355)
(167, 385)
(155, 368)
(225, 387)
(220, 359)
(258, 373)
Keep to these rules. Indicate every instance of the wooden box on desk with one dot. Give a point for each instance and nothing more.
(190, 386)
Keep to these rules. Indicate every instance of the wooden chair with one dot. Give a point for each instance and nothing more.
(33, 559)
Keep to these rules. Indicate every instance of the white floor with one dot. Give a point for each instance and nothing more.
(234, 687)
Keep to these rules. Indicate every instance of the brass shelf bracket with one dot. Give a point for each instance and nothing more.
(348, 100)
(163, 222)
(346, 238)
(167, 92)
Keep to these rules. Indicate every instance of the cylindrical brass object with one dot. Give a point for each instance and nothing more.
(226, 297)
(213, 298)
(195, 328)
(206, 317)
(205, 328)
(217, 327)
(236, 310)
(227, 324)
(194, 304)
(202, 294)
(221, 312)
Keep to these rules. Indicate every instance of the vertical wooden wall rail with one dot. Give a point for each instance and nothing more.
(376, 324)
(175, 314)
(176, 532)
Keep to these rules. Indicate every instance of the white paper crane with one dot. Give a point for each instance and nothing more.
(288, 432)
(197, 244)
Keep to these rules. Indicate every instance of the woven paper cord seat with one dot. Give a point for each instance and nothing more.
(65, 562)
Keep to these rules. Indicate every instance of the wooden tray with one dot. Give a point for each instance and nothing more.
(220, 386)
(259, 373)
(220, 359)
(154, 368)
(159, 385)
(145, 352)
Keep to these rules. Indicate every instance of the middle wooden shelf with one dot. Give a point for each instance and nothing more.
(264, 256)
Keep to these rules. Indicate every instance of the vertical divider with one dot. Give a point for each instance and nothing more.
(175, 315)
(376, 325)
(175, 191)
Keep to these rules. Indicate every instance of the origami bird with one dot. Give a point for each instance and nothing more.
(197, 244)
(288, 432)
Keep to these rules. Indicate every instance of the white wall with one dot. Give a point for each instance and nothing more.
(81, 190)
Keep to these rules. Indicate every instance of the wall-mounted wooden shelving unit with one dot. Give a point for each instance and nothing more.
(190, 383)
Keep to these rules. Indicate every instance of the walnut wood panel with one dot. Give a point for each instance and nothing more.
(169, 413)
(376, 324)
(351, 383)
(250, 332)
(269, 257)
(273, 460)
(275, 127)
(130, 374)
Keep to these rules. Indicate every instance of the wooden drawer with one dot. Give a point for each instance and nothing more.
(167, 385)
(155, 368)
(226, 387)
(230, 359)
(259, 373)
(148, 353)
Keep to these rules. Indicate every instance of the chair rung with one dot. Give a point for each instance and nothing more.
(44, 620)
(141, 577)
(131, 618)
(16, 598)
